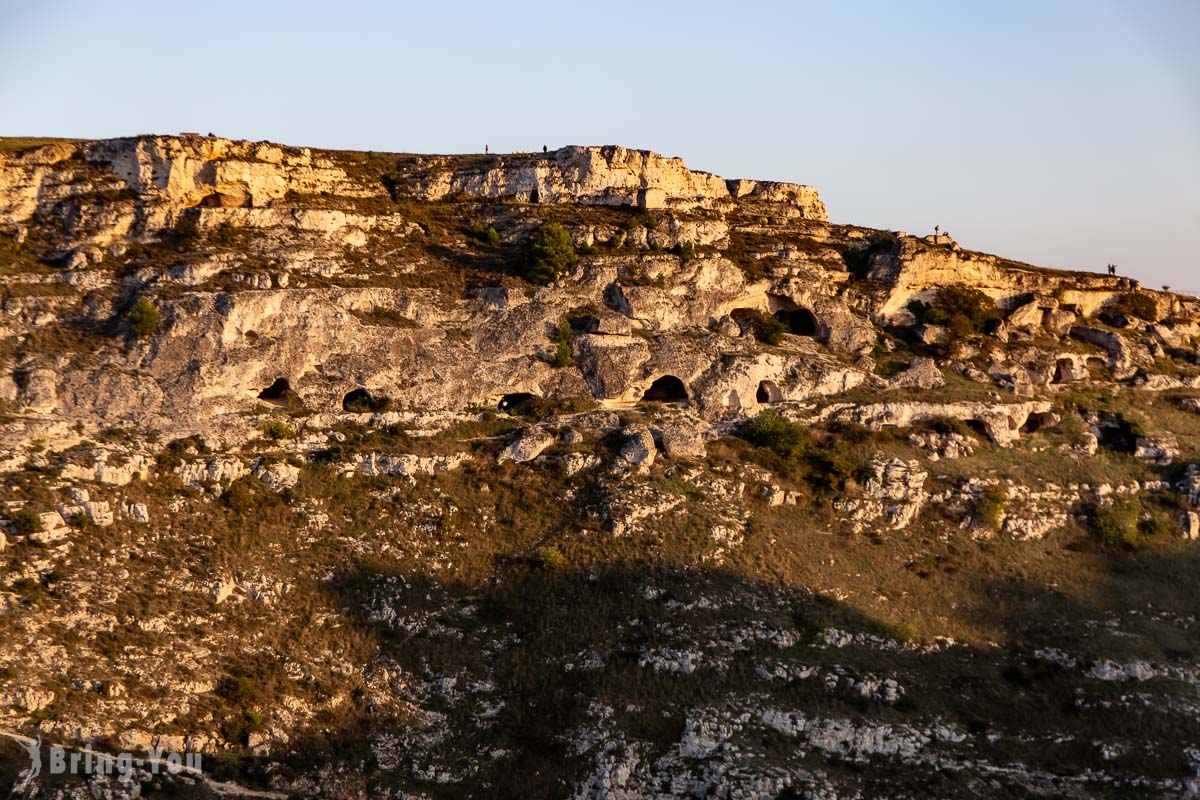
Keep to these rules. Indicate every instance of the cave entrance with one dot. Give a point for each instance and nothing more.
(979, 428)
(1064, 371)
(1040, 421)
(799, 321)
(278, 392)
(533, 195)
(768, 392)
(1117, 433)
(667, 389)
(361, 401)
(511, 401)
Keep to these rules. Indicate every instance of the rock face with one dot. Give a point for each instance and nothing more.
(599, 176)
(307, 453)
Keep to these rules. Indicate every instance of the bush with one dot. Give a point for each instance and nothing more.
(563, 336)
(858, 259)
(276, 429)
(769, 330)
(838, 464)
(25, 522)
(489, 235)
(183, 236)
(989, 507)
(765, 327)
(552, 253)
(1116, 525)
(685, 250)
(775, 432)
(963, 310)
(143, 318)
(549, 558)
(1130, 305)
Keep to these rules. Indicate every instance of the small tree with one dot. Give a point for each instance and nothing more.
(563, 336)
(143, 318)
(25, 522)
(769, 330)
(552, 253)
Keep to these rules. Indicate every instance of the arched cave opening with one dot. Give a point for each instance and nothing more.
(278, 392)
(768, 392)
(1040, 421)
(1117, 433)
(533, 195)
(514, 400)
(361, 401)
(799, 321)
(978, 427)
(667, 389)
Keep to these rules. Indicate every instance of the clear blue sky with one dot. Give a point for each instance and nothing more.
(1062, 133)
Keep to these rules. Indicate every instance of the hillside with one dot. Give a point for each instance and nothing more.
(576, 474)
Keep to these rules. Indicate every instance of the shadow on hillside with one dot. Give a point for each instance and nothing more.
(518, 667)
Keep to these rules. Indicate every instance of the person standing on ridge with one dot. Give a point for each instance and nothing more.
(544, 150)
(485, 149)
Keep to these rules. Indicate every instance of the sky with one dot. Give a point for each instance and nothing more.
(1059, 132)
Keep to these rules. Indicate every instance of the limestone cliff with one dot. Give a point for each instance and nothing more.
(575, 474)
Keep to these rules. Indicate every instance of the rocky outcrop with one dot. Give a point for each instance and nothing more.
(1002, 422)
(595, 176)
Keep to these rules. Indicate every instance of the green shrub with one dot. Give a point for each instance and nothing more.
(769, 330)
(563, 336)
(989, 507)
(839, 463)
(858, 259)
(276, 429)
(183, 236)
(765, 327)
(775, 432)
(1115, 525)
(1130, 305)
(903, 632)
(685, 250)
(965, 311)
(143, 318)
(549, 558)
(488, 236)
(25, 522)
(552, 253)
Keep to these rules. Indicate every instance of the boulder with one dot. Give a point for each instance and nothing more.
(138, 512)
(1059, 321)
(921, 373)
(1161, 449)
(932, 334)
(683, 439)
(610, 363)
(846, 333)
(530, 444)
(278, 477)
(1027, 317)
(637, 450)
